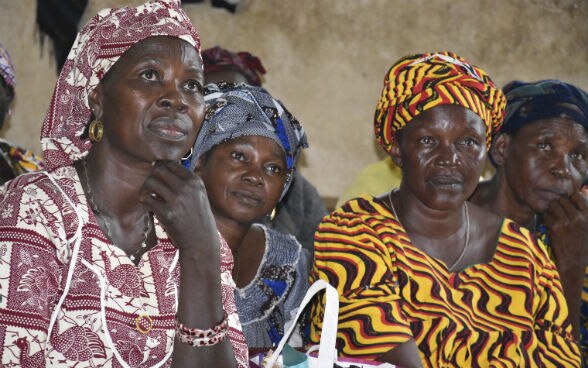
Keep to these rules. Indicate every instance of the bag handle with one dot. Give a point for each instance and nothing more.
(327, 353)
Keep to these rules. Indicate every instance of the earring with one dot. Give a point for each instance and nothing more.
(272, 215)
(96, 131)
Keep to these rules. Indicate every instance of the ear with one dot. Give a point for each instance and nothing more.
(395, 154)
(499, 149)
(95, 101)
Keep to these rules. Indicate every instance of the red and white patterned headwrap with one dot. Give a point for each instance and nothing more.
(101, 42)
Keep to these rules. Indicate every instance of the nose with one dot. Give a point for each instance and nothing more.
(254, 176)
(173, 98)
(561, 167)
(447, 155)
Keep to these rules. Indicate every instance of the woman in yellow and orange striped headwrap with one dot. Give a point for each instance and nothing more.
(425, 278)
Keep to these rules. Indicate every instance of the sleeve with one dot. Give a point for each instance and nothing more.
(557, 345)
(31, 272)
(295, 296)
(351, 255)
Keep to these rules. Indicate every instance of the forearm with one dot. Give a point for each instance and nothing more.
(200, 306)
(572, 279)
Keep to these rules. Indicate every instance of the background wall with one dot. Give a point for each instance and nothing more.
(326, 59)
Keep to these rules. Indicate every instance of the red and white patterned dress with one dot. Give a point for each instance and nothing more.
(71, 298)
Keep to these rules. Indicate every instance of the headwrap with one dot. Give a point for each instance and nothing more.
(420, 82)
(242, 110)
(217, 59)
(529, 102)
(7, 70)
(98, 46)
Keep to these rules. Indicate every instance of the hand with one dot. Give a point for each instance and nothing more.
(567, 221)
(178, 198)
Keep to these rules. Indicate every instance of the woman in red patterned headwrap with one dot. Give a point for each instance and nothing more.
(111, 256)
(426, 278)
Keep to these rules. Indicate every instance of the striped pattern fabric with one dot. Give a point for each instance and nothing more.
(420, 82)
(509, 312)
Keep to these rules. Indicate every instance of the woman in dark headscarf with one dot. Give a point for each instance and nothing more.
(111, 257)
(541, 159)
(426, 278)
(246, 154)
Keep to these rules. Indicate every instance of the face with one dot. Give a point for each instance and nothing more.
(543, 161)
(151, 101)
(244, 177)
(229, 76)
(442, 153)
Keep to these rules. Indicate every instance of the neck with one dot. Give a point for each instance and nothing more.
(233, 232)
(439, 224)
(497, 196)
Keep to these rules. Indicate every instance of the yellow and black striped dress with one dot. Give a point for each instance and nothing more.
(509, 312)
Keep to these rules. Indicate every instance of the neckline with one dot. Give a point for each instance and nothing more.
(499, 243)
(252, 282)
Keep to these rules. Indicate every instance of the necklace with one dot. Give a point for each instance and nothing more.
(467, 229)
(133, 256)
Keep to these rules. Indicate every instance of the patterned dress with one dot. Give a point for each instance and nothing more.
(272, 297)
(71, 298)
(509, 312)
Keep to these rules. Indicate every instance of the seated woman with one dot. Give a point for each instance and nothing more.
(111, 257)
(246, 154)
(13, 160)
(426, 278)
(541, 159)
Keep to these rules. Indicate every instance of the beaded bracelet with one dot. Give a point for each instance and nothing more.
(197, 337)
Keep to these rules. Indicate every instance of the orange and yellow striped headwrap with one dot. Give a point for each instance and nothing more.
(420, 82)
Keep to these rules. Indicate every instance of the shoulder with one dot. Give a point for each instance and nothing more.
(282, 247)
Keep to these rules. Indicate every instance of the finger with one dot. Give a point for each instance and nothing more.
(165, 180)
(580, 200)
(554, 214)
(568, 207)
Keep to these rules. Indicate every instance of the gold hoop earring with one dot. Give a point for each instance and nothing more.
(96, 131)
(272, 215)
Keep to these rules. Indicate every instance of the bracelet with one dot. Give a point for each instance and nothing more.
(197, 337)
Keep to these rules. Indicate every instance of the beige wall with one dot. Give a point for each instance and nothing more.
(326, 58)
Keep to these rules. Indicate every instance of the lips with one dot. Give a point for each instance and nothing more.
(550, 195)
(172, 129)
(447, 181)
(249, 198)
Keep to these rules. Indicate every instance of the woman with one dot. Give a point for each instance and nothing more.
(111, 257)
(13, 160)
(246, 154)
(426, 278)
(541, 159)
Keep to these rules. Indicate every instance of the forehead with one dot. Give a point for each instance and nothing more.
(562, 128)
(257, 143)
(446, 119)
(157, 48)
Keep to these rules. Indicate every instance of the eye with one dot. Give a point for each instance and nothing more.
(469, 141)
(273, 168)
(544, 146)
(238, 155)
(426, 140)
(150, 75)
(193, 85)
(578, 155)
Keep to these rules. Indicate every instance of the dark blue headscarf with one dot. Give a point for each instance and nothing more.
(529, 102)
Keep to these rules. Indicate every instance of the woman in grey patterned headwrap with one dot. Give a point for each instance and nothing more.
(246, 154)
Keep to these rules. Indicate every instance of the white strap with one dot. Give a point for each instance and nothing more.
(327, 352)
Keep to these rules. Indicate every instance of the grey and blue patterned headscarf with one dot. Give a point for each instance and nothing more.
(550, 98)
(237, 110)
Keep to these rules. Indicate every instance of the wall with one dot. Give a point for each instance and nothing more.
(326, 59)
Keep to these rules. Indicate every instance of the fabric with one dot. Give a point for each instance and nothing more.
(7, 69)
(234, 111)
(217, 59)
(272, 297)
(299, 212)
(420, 82)
(19, 159)
(529, 102)
(97, 47)
(509, 312)
(374, 179)
(71, 298)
